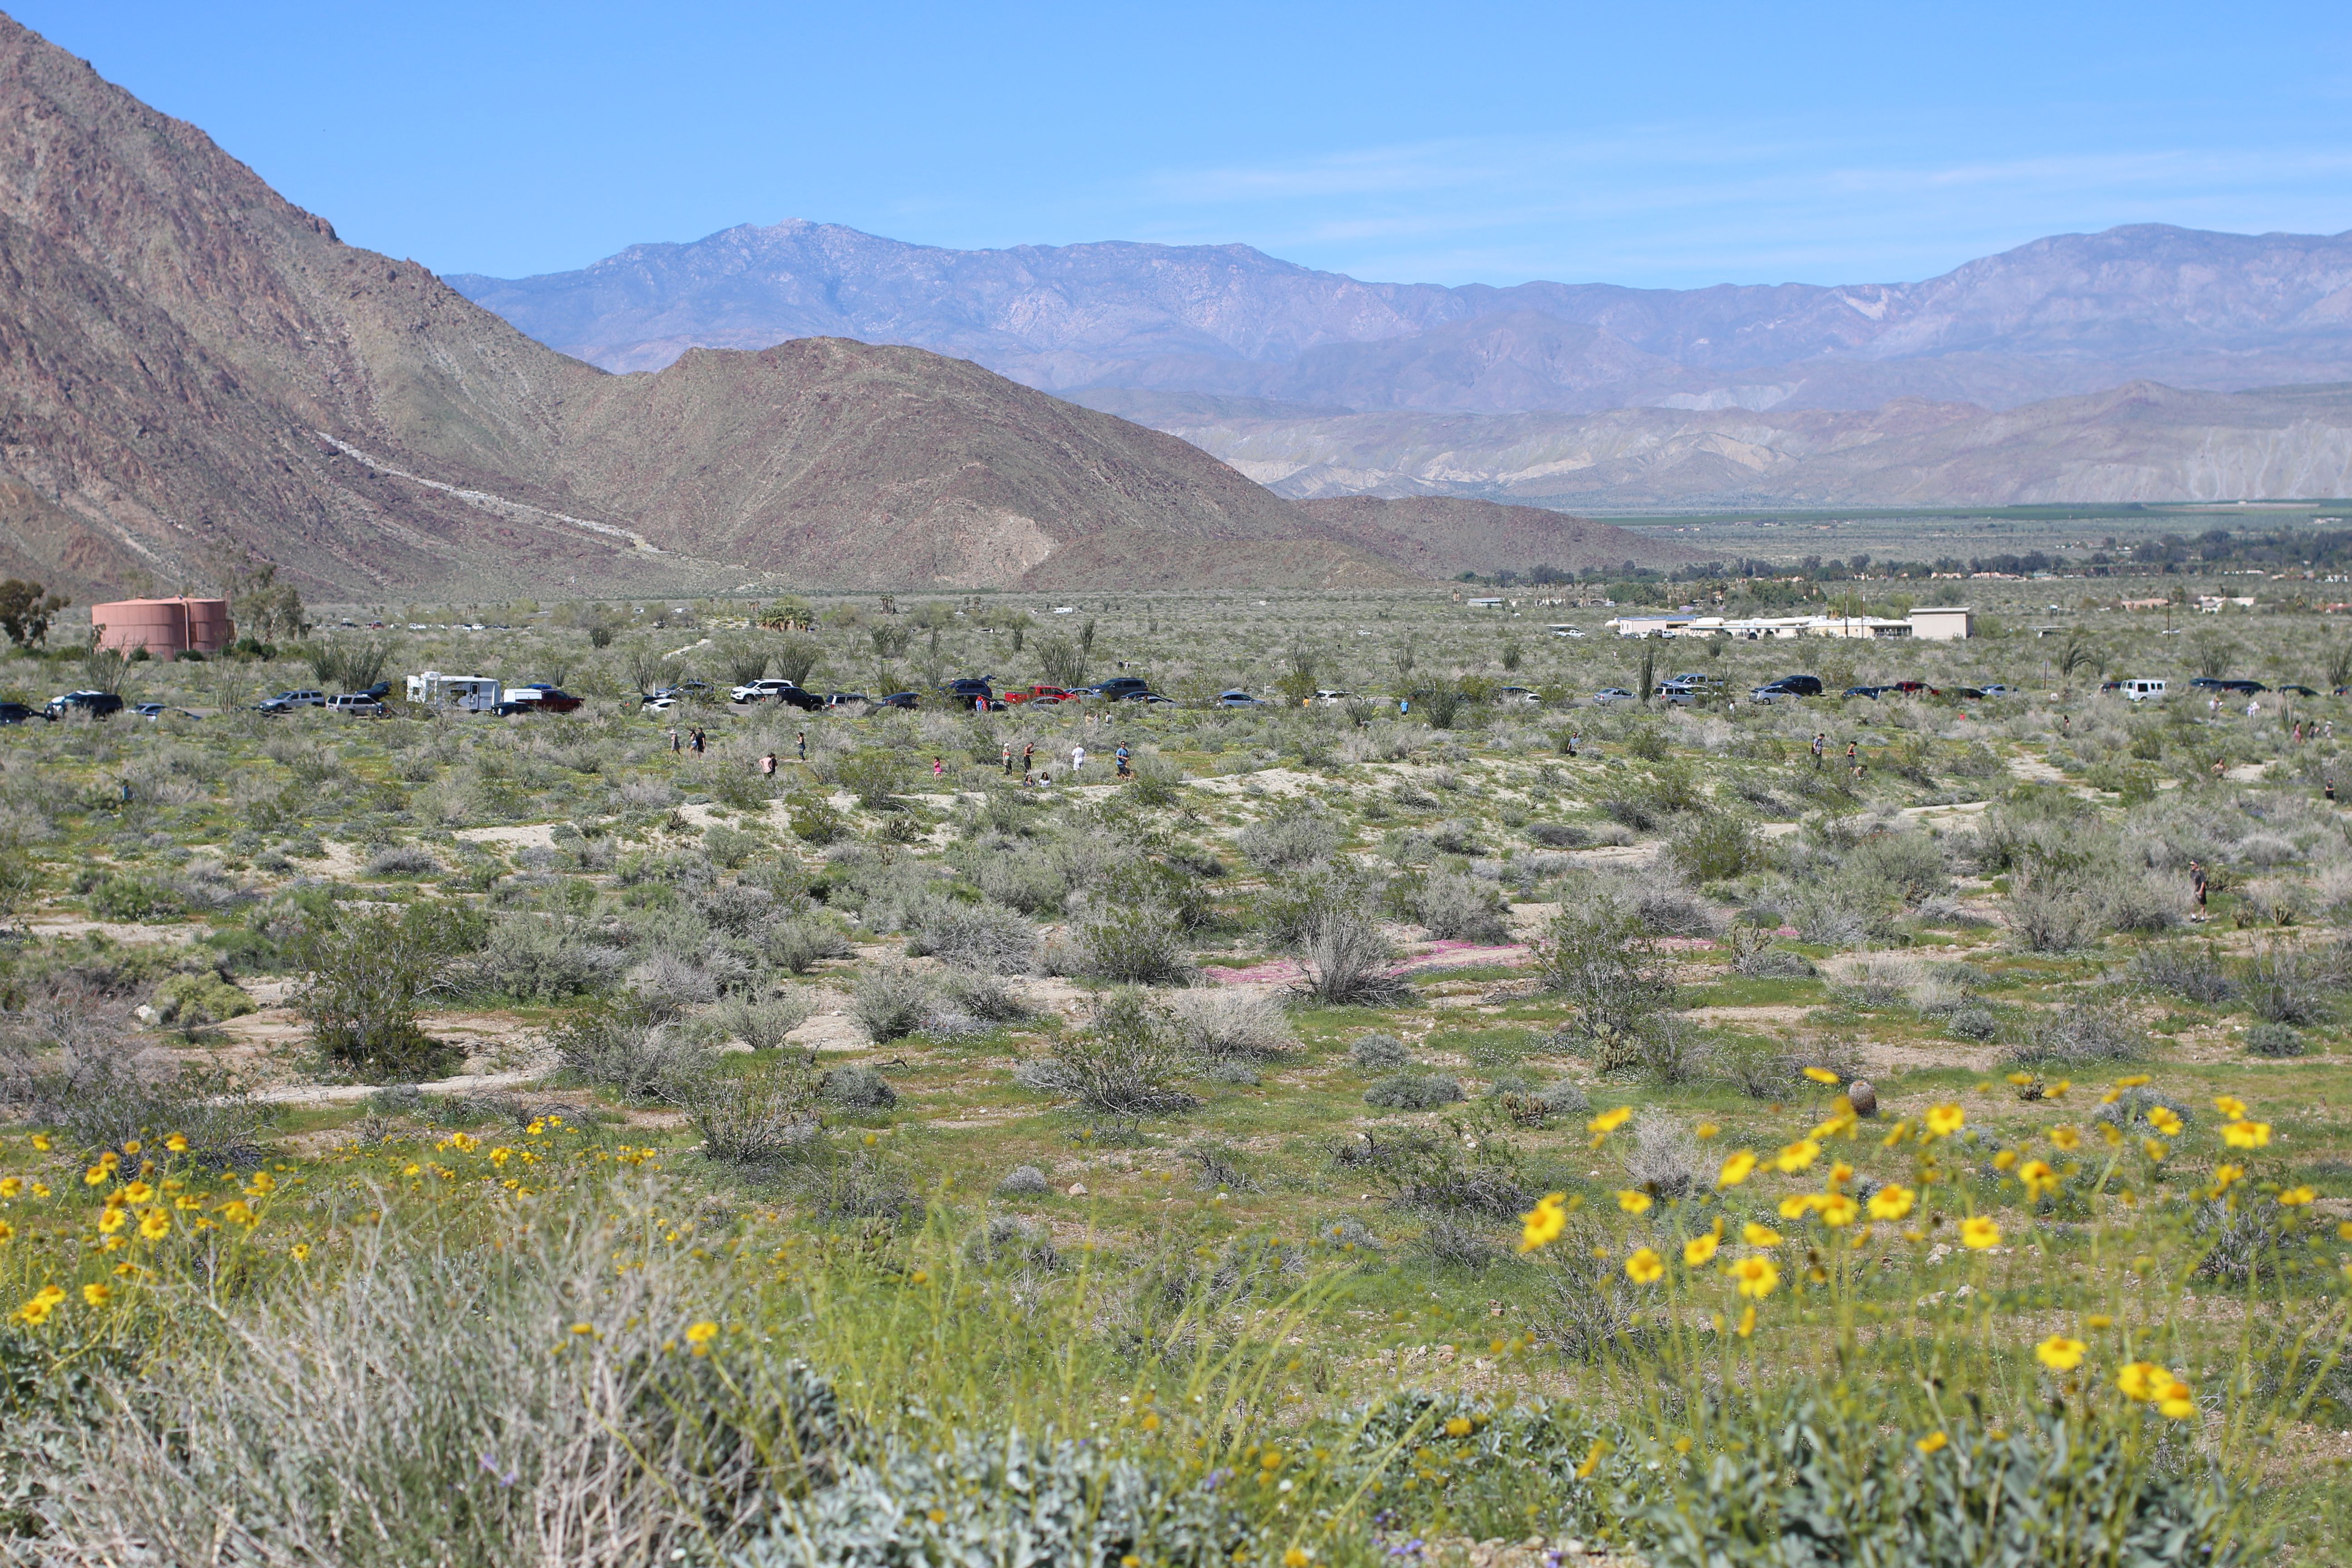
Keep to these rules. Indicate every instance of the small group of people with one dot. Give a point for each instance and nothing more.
(688, 741)
(1030, 773)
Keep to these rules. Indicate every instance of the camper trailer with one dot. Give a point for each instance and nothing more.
(468, 693)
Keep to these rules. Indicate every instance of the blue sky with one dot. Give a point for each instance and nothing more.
(1667, 145)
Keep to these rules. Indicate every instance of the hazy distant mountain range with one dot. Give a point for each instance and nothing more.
(2069, 314)
(191, 368)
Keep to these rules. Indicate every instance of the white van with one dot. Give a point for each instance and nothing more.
(2141, 691)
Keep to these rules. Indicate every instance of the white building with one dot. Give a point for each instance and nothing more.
(1945, 623)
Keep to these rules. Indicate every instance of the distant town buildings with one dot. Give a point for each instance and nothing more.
(1944, 622)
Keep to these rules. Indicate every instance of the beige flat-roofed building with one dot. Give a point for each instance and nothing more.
(1946, 623)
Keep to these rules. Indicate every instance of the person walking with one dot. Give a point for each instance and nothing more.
(1077, 759)
(939, 768)
(1028, 760)
(676, 742)
(1574, 740)
(2253, 705)
(1854, 757)
(2196, 883)
(1008, 759)
(804, 746)
(1820, 742)
(1121, 757)
(2327, 788)
(698, 740)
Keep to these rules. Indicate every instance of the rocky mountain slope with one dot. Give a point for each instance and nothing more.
(190, 366)
(2141, 442)
(2067, 314)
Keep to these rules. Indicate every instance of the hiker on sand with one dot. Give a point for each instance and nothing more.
(1119, 756)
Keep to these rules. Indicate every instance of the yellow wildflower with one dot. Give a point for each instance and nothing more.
(2155, 1148)
(1979, 1232)
(1645, 1267)
(96, 1295)
(1735, 1170)
(1608, 1122)
(1838, 1210)
(1933, 1443)
(2005, 1161)
(1821, 1075)
(2060, 1354)
(1797, 1156)
(1698, 1249)
(1592, 1460)
(2165, 1119)
(1756, 1276)
(1756, 1234)
(177, 1142)
(2244, 1135)
(41, 1142)
(701, 1335)
(1543, 1223)
(1943, 1120)
(110, 1220)
(155, 1224)
(2231, 1106)
(2041, 1180)
(1634, 1201)
(7, 1231)
(2065, 1137)
(1458, 1427)
(1797, 1205)
(2295, 1197)
(2227, 1176)
(1891, 1201)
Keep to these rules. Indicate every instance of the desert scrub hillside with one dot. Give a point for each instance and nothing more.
(1489, 1131)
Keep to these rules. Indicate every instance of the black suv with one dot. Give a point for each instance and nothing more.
(1122, 686)
(17, 713)
(97, 704)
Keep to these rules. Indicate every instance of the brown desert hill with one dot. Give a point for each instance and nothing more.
(191, 365)
(1443, 536)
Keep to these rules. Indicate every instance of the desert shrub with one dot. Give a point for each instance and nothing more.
(1127, 1062)
(1585, 1308)
(764, 1114)
(1414, 1092)
(1753, 954)
(1666, 906)
(1380, 1053)
(2194, 974)
(1135, 944)
(1008, 1239)
(2082, 1035)
(813, 819)
(404, 860)
(365, 975)
(189, 1002)
(533, 959)
(1906, 867)
(795, 944)
(1558, 835)
(1715, 847)
(134, 899)
(2284, 984)
(1217, 1021)
(384, 1392)
(103, 1091)
(1756, 1066)
(739, 909)
(1423, 1168)
(1232, 1069)
(1346, 954)
(630, 1048)
(1879, 980)
(2275, 1040)
(981, 936)
(891, 1001)
(1451, 1243)
(1601, 961)
(1024, 1182)
(1452, 907)
(1293, 838)
(763, 1022)
(1973, 1022)
(858, 1088)
(669, 982)
(1563, 1098)
(1950, 913)
(2050, 914)
(1666, 1161)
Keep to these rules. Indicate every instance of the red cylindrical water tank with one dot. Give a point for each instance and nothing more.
(159, 625)
(209, 627)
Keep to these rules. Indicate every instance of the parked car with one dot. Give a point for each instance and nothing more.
(659, 704)
(846, 700)
(1872, 692)
(756, 690)
(905, 700)
(1997, 689)
(285, 701)
(784, 692)
(1147, 698)
(2300, 691)
(2141, 691)
(359, 704)
(1609, 696)
(97, 704)
(17, 713)
(1237, 697)
(1517, 694)
(1118, 686)
(1041, 694)
(2216, 683)
(1801, 685)
(538, 694)
(1913, 687)
(1968, 693)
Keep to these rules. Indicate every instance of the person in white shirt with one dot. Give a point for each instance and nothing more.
(1077, 758)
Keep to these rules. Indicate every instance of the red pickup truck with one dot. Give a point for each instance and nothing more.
(1041, 694)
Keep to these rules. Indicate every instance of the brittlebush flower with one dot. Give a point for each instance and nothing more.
(1838, 1210)
(2005, 1161)
(1892, 1202)
(1608, 1122)
(1933, 1443)
(2060, 1354)
(1797, 1156)
(155, 1224)
(1756, 1234)
(1634, 1201)
(96, 1295)
(36, 1310)
(1698, 1249)
(1737, 1169)
(2165, 1119)
(1821, 1075)
(2295, 1197)
(2231, 1106)
(1943, 1120)
(1645, 1266)
(10, 1186)
(1541, 1226)
(137, 1193)
(110, 1220)
(177, 1142)
(7, 1231)
(1797, 1205)
(701, 1335)
(1979, 1232)
(2244, 1135)
(2065, 1137)
(1756, 1276)
(2039, 1178)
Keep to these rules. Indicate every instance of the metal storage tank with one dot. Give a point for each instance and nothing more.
(164, 627)
(209, 628)
(159, 625)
